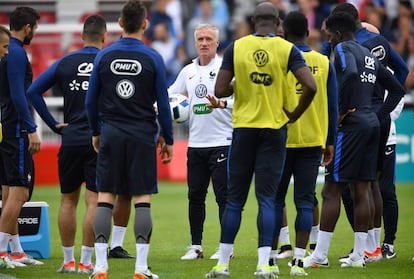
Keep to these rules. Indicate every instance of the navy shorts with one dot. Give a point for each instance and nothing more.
(356, 149)
(258, 151)
(16, 163)
(77, 164)
(127, 164)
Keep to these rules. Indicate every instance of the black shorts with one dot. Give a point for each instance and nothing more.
(356, 149)
(127, 164)
(77, 164)
(16, 163)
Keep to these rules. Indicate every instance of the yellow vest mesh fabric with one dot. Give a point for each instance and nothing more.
(260, 67)
(311, 129)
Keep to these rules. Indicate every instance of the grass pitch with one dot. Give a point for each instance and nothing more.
(171, 237)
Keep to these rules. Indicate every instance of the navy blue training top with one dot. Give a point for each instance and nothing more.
(357, 72)
(15, 77)
(127, 78)
(70, 74)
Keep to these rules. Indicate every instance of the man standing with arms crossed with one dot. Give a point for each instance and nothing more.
(207, 152)
(77, 159)
(259, 63)
(20, 140)
(127, 78)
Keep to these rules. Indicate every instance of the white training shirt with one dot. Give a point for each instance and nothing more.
(208, 127)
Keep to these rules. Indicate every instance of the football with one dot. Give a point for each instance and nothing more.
(180, 107)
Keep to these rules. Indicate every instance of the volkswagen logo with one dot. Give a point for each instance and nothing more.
(260, 57)
(125, 89)
(201, 91)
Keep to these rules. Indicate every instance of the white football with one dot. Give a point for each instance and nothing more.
(180, 107)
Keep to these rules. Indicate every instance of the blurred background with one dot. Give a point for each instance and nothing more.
(171, 30)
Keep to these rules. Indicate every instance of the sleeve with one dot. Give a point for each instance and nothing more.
(397, 64)
(178, 87)
(326, 49)
(164, 111)
(347, 64)
(332, 105)
(228, 59)
(43, 83)
(16, 67)
(92, 98)
(395, 91)
(296, 60)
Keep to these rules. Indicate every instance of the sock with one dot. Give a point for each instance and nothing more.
(377, 237)
(101, 256)
(142, 255)
(313, 236)
(299, 253)
(370, 245)
(4, 240)
(263, 255)
(359, 246)
(15, 245)
(68, 254)
(86, 255)
(322, 247)
(284, 238)
(118, 235)
(225, 251)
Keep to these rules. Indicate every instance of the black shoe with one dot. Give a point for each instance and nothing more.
(346, 256)
(387, 253)
(120, 253)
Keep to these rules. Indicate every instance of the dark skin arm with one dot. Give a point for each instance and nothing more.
(223, 88)
(304, 76)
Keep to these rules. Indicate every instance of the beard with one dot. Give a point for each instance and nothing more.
(28, 38)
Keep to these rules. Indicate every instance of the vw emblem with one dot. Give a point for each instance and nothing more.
(201, 91)
(260, 57)
(125, 89)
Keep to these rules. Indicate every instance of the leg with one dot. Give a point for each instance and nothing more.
(143, 230)
(390, 203)
(121, 214)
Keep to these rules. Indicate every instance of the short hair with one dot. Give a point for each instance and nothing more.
(133, 15)
(348, 9)
(22, 16)
(4, 31)
(202, 26)
(295, 23)
(94, 28)
(341, 22)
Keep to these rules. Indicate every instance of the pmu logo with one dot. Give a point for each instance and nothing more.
(126, 67)
(379, 52)
(85, 69)
(260, 57)
(201, 91)
(261, 78)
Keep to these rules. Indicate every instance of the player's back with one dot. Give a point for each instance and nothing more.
(72, 74)
(130, 75)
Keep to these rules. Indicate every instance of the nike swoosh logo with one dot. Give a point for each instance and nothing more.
(388, 152)
(219, 160)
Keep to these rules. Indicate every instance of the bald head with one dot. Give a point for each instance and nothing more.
(370, 27)
(265, 10)
(265, 18)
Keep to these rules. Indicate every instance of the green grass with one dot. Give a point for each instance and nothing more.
(171, 237)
